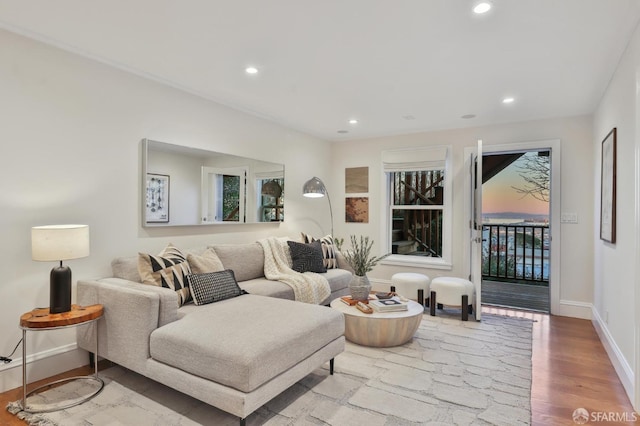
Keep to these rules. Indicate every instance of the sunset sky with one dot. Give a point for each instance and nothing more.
(499, 196)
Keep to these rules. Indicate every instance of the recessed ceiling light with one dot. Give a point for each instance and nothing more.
(343, 131)
(483, 7)
(508, 100)
(353, 121)
(251, 70)
(467, 116)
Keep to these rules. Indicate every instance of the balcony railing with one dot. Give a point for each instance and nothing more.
(516, 253)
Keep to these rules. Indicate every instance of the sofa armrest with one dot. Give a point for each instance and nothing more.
(342, 262)
(132, 311)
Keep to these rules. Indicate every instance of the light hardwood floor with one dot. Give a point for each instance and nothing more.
(570, 370)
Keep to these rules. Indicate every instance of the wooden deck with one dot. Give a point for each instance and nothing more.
(521, 296)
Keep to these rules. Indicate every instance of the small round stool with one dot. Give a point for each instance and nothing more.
(451, 291)
(408, 282)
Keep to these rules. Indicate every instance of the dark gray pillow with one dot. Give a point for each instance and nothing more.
(306, 257)
(213, 286)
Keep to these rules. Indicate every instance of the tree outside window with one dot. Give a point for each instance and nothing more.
(417, 211)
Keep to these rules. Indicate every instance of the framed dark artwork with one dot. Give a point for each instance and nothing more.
(157, 198)
(356, 209)
(608, 188)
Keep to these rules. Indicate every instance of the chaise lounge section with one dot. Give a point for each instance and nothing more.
(235, 354)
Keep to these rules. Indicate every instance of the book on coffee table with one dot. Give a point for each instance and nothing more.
(388, 305)
(351, 302)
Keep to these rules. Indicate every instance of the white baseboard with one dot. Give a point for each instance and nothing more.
(620, 364)
(570, 308)
(42, 365)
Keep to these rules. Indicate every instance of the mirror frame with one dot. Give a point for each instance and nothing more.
(252, 200)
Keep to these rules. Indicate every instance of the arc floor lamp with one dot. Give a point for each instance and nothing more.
(314, 188)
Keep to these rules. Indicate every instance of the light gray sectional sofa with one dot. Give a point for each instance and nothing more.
(235, 354)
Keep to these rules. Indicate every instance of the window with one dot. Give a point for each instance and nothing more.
(271, 200)
(418, 201)
(229, 191)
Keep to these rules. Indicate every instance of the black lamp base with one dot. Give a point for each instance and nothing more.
(60, 290)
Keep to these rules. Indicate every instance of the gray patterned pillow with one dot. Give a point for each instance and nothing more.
(213, 286)
(306, 257)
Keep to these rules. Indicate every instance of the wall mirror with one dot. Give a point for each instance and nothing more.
(189, 186)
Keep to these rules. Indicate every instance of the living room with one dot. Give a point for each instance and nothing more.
(72, 131)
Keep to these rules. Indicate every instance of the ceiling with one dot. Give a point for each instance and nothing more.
(397, 66)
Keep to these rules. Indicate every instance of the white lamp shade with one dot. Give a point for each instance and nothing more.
(314, 188)
(59, 242)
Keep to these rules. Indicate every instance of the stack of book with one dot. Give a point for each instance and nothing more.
(388, 305)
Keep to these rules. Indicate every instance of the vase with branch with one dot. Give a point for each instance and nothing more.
(359, 257)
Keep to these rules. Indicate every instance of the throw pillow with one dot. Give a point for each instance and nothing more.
(169, 269)
(306, 257)
(328, 250)
(206, 262)
(213, 286)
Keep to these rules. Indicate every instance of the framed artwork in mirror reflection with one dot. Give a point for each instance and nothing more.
(157, 198)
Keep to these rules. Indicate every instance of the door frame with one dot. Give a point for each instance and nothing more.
(553, 145)
(208, 191)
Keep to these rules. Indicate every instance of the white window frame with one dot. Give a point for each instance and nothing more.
(258, 178)
(414, 163)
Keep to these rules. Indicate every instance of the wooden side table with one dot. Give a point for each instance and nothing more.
(41, 320)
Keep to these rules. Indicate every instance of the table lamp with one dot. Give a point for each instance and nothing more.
(55, 243)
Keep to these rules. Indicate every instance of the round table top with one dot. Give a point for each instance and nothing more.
(40, 318)
(413, 309)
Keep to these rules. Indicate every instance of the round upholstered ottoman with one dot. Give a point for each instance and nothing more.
(452, 291)
(408, 283)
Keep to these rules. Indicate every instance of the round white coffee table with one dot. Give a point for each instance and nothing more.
(380, 329)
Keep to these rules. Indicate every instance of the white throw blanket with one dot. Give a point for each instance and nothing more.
(307, 287)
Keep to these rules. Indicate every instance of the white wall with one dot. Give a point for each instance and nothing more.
(616, 280)
(576, 281)
(70, 137)
(185, 175)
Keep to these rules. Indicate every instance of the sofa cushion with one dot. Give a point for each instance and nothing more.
(169, 269)
(205, 262)
(338, 279)
(328, 249)
(306, 257)
(265, 287)
(213, 286)
(246, 260)
(268, 337)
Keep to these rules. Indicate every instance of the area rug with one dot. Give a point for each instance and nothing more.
(451, 373)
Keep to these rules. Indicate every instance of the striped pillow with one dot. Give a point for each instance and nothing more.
(169, 269)
(329, 256)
